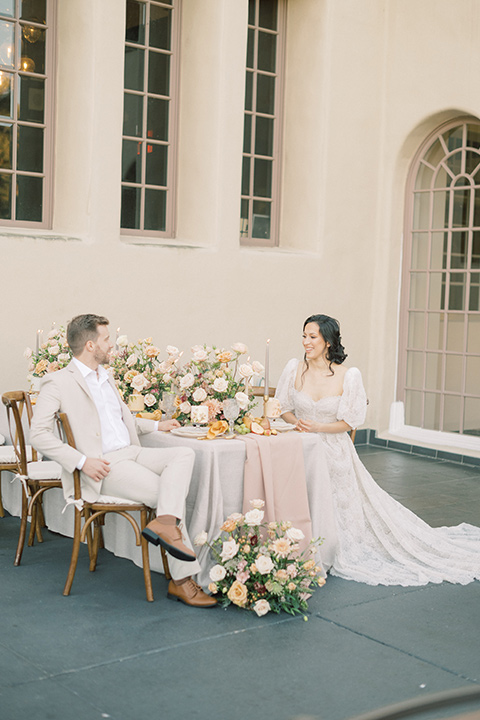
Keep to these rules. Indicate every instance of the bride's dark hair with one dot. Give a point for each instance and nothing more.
(330, 331)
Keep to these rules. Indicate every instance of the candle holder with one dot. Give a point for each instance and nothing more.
(265, 421)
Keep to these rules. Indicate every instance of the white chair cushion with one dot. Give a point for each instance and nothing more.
(110, 500)
(44, 470)
(7, 454)
(2, 439)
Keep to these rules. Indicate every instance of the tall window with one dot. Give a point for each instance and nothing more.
(25, 69)
(148, 118)
(441, 360)
(261, 139)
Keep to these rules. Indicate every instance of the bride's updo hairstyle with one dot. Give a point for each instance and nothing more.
(330, 331)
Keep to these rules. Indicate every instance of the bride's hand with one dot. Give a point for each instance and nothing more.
(307, 426)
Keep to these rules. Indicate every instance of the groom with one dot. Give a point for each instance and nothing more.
(109, 454)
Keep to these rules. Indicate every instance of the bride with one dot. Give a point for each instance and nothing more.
(379, 541)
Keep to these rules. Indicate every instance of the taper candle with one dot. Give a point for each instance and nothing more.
(267, 384)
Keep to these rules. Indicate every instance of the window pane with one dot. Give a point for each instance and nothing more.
(5, 146)
(436, 290)
(249, 91)
(265, 94)
(454, 373)
(264, 136)
(454, 138)
(247, 134)
(131, 199)
(456, 298)
(435, 328)
(7, 44)
(156, 164)
(29, 198)
(250, 48)
(7, 7)
(155, 209)
(438, 253)
(421, 211)
(443, 178)
(452, 413)
(6, 94)
(461, 208)
(35, 10)
(458, 256)
(261, 219)
(32, 98)
(471, 418)
(441, 206)
(434, 371)
(435, 154)
(476, 250)
(418, 291)
(262, 180)
(251, 12)
(133, 115)
(419, 251)
(472, 161)
(454, 163)
(474, 302)
(415, 369)
(424, 177)
(246, 176)
(244, 219)
(132, 161)
(5, 197)
(160, 27)
(30, 149)
(416, 330)
(267, 17)
(134, 68)
(159, 73)
(473, 136)
(472, 380)
(476, 208)
(157, 119)
(473, 334)
(455, 330)
(413, 407)
(433, 403)
(267, 48)
(135, 24)
(33, 49)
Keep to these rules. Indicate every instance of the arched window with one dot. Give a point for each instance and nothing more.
(440, 350)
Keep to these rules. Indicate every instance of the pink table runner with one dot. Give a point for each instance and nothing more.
(275, 472)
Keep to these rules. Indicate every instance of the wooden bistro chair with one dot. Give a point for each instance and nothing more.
(36, 476)
(94, 513)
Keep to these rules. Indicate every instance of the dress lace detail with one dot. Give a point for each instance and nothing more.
(380, 542)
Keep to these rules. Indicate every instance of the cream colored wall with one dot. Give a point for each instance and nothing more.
(365, 82)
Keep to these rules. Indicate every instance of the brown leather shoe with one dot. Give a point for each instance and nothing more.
(169, 536)
(190, 593)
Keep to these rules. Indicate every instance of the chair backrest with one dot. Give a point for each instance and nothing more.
(17, 402)
(259, 391)
(66, 434)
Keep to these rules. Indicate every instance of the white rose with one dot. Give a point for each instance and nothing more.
(220, 385)
(236, 517)
(150, 400)
(197, 348)
(54, 349)
(259, 504)
(217, 573)
(257, 367)
(240, 348)
(201, 538)
(200, 355)
(63, 357)
(264, 564)
(166, 378)
(229, 550)
(172, 350)
(242, 400)
(185, 407)
(261, 607)
(139, 382)
(199, 395)
(27, 353)
(52, 333)
(122, 341)
(254, 517)
(186, 381)
(164, 366)
(294, 534)
(245, 370)
(131, 360)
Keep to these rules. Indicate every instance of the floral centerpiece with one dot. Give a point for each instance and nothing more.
(212, 376)
(50, 356)
(259, 566)
(138, 370)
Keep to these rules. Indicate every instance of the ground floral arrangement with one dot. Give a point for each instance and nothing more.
(210, 377)
(259, 566)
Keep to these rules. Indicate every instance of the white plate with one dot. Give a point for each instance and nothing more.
(189, 431)
(281, 425)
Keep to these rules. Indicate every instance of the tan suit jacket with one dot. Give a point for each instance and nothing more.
(66, 391)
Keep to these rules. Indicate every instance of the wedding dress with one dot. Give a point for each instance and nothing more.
(379, 541)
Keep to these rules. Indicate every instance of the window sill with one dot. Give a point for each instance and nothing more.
(163, 242)
(47, 235)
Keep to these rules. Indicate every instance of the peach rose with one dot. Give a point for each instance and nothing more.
(228, 526)
(225, 356)
(238, 593)
(152, 351)
(281, 575)
(257, 503)
(41, 366)
(291, 586)
(213, 588)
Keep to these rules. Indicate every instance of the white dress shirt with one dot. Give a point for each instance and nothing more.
(114, 432)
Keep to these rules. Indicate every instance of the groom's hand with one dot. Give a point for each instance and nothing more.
(96, 468)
